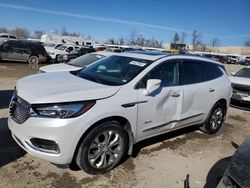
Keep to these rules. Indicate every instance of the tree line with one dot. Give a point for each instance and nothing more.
(134, 38)
(24, 33)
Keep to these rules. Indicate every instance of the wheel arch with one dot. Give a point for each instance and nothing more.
(224, 102)
(124, 123)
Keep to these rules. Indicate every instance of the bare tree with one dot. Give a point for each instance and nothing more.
(21, 33)
(3, 30)
(111, 41)
(56, 31)
(88, 37)
(140, 40)
(121, 41)
(38, 34)
(247, 43)
(133, 37)
(183, 37)
(213, 44)
(196, 41)
(176, 38)
(64, 31)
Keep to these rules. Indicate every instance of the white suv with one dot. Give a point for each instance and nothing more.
(61, 50)
(95, 116)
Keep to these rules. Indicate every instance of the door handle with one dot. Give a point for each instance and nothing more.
(211, 90)
(175, 94)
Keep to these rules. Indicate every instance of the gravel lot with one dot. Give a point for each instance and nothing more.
(163, 161)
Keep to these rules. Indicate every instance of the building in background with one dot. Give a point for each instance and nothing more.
(53, 38)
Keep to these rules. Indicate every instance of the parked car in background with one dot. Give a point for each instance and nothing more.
(95, 116)
(62, 50)
(232, 59)
(50, 46)
(69, 57)
(25, 51)
(117, 50)
(6, 36)
(222, 59)
(247, 60)
(244, 60)
(75, 64)
(241, 85)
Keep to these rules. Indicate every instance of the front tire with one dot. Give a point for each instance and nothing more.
(215, 119)
(102, 148)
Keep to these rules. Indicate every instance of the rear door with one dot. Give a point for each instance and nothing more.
(198, 79)
(24, 50)
(160, 111)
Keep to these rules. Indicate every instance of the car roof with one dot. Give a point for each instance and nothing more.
(104, 53)
(195, 57)
(153, 56)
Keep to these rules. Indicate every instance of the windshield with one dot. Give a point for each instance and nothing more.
(245, 73)
(61, 47)
(114, 70)
(86, 60)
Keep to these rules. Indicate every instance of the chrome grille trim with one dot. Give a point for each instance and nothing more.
(19, 109)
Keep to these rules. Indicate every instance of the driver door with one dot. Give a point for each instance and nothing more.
(160, 110)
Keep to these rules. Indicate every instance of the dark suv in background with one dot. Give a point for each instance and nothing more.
(24, 51)
(64, 58)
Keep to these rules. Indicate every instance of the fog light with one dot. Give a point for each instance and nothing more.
(48, 146)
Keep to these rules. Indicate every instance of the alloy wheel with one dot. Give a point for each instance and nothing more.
(216, 118)
(105, 149)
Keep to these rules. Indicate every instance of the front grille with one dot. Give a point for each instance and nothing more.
(243, 89)
(19, 110)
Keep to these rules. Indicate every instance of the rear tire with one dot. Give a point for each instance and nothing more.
(215, 119)
(33, 59)
(102, 148)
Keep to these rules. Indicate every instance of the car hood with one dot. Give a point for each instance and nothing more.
(48, 48)
(240, 80)
(61, 87)
(59, 67)
(56, 51)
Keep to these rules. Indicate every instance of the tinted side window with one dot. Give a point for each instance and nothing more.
(191, 72)
(11, 44)
(211, 71)
(23, 45)
(198, 71)
(167, 72)
(69, 49)
(4, 36)
(37, 48)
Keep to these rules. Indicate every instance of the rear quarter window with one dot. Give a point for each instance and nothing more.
(211, 71)
(193, 71)
(37, 48)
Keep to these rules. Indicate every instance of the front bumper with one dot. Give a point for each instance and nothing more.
(64, 132)
(241, 98)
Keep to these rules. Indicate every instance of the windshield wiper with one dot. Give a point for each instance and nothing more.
(91, 78)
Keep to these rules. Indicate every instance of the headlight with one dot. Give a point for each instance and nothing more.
(63, 110)
(51, 53)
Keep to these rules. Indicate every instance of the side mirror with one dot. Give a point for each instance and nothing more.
(152, 85)
(232, 73)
